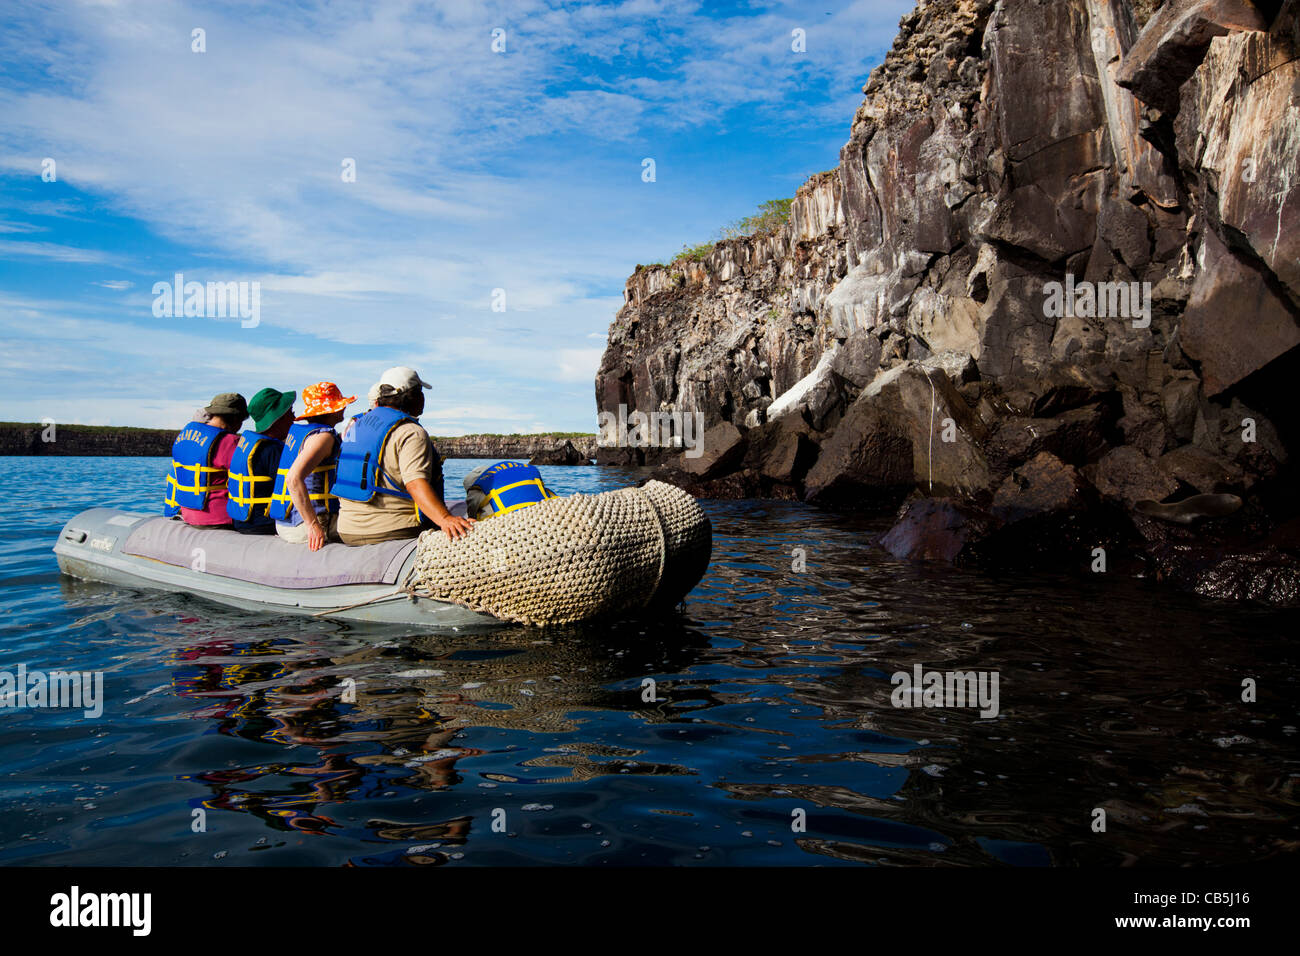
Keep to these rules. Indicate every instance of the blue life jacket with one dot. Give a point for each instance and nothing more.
(318, 482)
(248, 486)
(191, 478)
(509, 485)
(361, 455)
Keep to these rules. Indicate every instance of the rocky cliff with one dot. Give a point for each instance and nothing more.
(513, 446)
(1052, 284)
(22, 438)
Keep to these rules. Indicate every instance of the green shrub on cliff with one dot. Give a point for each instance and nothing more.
(696, 253)
(771, 216)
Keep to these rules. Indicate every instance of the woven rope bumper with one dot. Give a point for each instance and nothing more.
(571, 559)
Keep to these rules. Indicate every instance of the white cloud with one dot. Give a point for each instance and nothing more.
(50, 250)
(579, 365)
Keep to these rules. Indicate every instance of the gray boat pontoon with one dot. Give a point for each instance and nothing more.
(255, 572)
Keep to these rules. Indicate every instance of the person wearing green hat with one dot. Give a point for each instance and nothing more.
(196, 481)
(256, 460)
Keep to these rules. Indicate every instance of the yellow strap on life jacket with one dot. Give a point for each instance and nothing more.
(500, 506)
(198, 470)
(311, 496)
(238, 480)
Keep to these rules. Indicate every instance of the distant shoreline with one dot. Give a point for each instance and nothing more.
(31, 438)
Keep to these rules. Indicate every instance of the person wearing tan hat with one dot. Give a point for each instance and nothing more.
(389, 479)
(303, 506)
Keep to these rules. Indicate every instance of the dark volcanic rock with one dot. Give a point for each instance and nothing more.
(563, 454)
(1050, 517)
(722, 448)
(1235, 324)
(1206, 472)
(1268, 575)
(998, 158)
(909, 428)
(780, 451)
(1126, 476)
(937, 529)
(1043, 486)
(1174, 42)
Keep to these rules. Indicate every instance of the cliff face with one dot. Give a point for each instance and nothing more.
(511, 446)
(1046, 208)
(30, 439)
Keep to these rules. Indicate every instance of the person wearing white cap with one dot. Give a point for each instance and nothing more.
(389, 479)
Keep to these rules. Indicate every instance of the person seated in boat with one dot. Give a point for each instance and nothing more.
(389, 479)
(303, 505)
(201, 453)
(256, 461)
(503, 487)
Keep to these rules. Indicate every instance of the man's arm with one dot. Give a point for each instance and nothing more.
(431, 504)
(421, 472)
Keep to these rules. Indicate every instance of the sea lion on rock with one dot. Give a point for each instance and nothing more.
(1189, 509)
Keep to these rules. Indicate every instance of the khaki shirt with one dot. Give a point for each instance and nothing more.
(408, 454)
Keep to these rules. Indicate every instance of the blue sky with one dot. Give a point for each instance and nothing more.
(475, 170)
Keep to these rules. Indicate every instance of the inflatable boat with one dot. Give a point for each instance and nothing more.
(254, 572)
(560, 561)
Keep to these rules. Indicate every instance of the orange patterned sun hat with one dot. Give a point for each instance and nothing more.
(323, 398)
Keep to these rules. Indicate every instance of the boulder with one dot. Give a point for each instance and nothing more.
(1125, 476)
(1043, 486)
(1267, 575)
(1234, 324)
(562, 454)
(1173, 43)
(1049, 516)
(780, 451)
(730, 486)
(722, 449)
(1206, 472)
(891, 439)
(1237, 133)
(858, 359)
(1180, 400)
(1078, 436)
(1143, 426)
(930, 529)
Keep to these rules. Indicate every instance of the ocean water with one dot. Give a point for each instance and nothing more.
(771, 738)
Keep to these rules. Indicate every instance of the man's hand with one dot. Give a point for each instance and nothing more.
(431, 505)
(315, 536)
(454, 526)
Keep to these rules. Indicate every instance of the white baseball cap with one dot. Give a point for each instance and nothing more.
(402, 378)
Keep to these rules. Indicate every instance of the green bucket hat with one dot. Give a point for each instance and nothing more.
(268, 405)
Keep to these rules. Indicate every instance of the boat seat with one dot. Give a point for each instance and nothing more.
(266, 558)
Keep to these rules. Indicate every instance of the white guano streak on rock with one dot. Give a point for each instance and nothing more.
(1289, 148)
(789, 400)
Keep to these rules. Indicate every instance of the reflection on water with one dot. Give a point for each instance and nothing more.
(289, 741)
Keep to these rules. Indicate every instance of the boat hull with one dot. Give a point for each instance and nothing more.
(90, 547)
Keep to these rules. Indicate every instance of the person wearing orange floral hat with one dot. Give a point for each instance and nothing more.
(304, 509)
